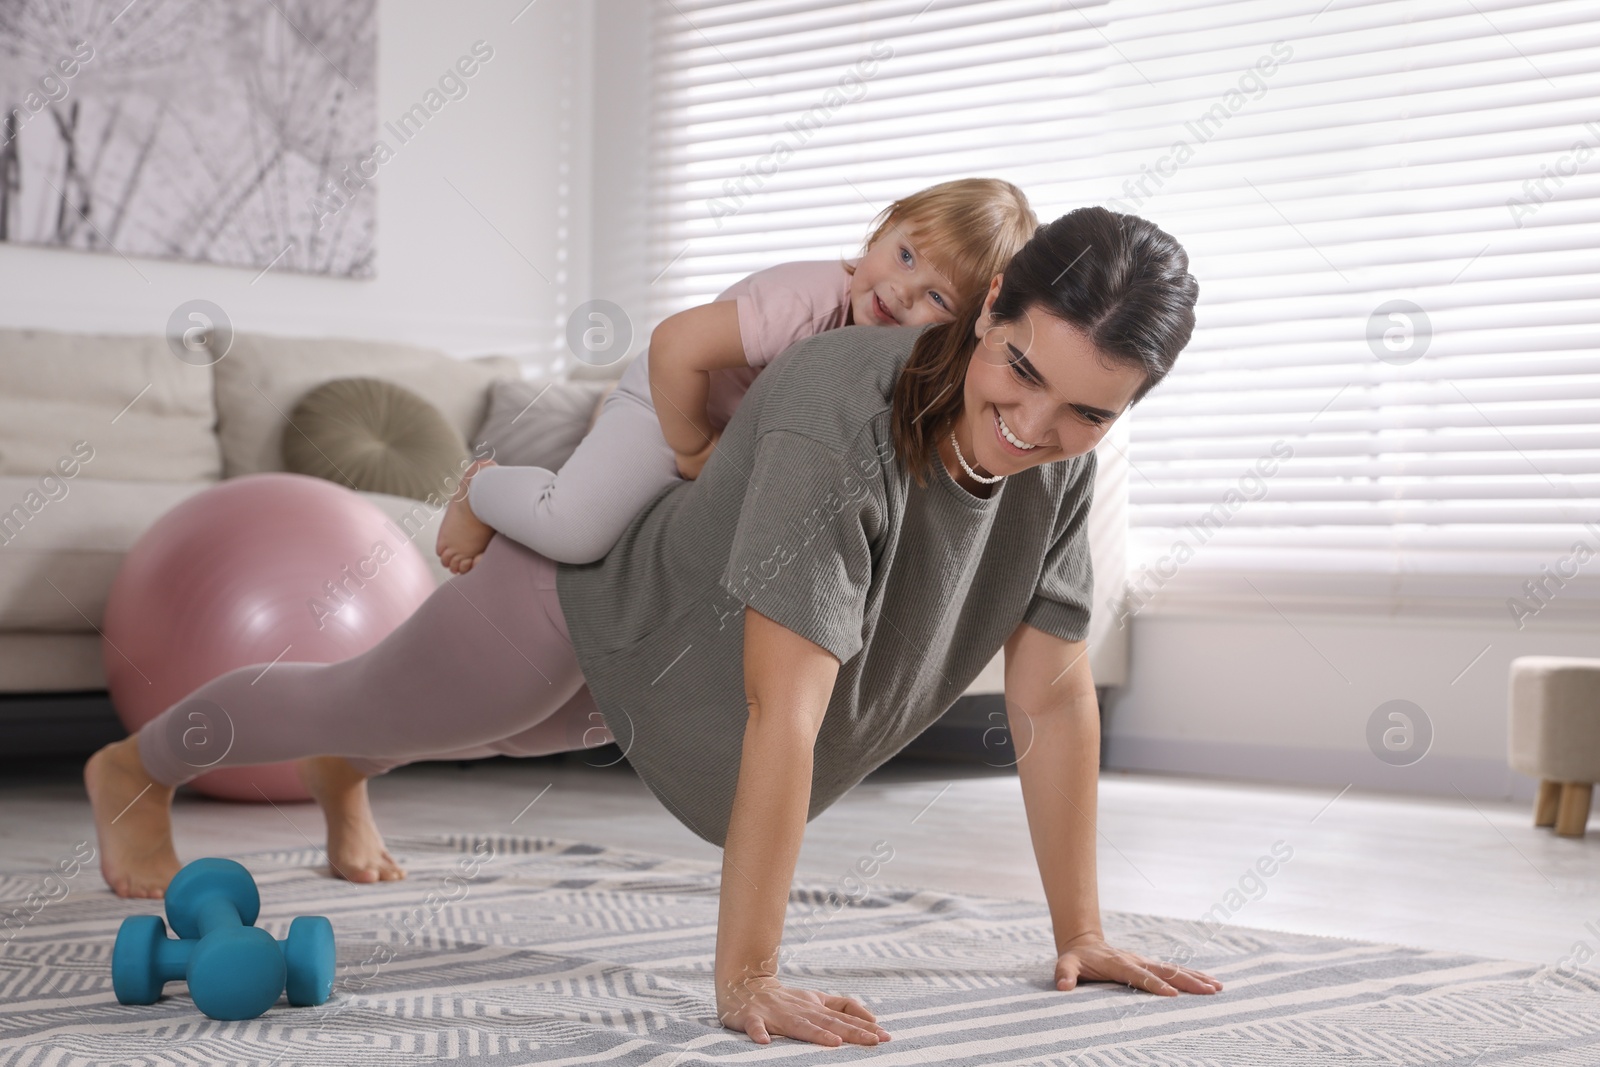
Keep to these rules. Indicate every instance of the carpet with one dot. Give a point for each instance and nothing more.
(513, 950)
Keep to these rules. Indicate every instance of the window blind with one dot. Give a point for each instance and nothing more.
(1391, 398)
(1393, 395)
(783, 126)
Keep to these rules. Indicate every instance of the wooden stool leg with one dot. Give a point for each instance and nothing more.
(1572, 817)
(1544, 810)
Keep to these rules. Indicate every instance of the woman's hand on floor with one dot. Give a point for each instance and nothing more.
(763, 1006)
(1088, 958)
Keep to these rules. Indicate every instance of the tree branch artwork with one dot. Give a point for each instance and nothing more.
(190, 131)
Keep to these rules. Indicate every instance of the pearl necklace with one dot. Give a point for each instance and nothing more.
(974, 475)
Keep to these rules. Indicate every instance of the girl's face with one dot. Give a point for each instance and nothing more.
(895, 285)
(1038, 382)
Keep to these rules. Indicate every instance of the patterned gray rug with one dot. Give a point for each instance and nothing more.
(509, 950)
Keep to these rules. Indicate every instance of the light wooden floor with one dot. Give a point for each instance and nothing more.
(1444, 873)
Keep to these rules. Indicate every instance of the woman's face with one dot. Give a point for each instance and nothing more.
(896, 285)
(1037, 381)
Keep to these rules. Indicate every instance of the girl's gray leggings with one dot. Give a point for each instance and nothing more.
(577, 515)
(484, 667)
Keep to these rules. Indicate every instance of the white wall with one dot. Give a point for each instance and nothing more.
(517, 146)
(621, 268)
(1288, 699)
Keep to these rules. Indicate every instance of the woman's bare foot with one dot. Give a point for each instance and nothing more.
(462, 535)
(133, 820)
(355, 847)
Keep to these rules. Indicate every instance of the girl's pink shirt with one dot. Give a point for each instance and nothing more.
(777, 307)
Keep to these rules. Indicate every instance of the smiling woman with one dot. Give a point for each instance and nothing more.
(762, 637)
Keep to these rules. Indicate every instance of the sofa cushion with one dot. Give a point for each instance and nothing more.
(139, 411)
(49, 663)
(537, 423)
(57, 567)
(262, 377)
(374, 435)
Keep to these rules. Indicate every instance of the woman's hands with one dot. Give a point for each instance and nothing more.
(1089, 958)
(690, 466)
(762, 1006)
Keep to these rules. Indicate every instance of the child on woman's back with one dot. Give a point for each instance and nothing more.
(930, 252)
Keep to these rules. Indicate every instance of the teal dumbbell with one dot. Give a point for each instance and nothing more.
(235, 970)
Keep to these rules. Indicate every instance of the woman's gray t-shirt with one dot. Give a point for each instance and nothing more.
(803, 514)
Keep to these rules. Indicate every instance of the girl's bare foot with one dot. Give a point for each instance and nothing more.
(462, 535)
(133, 820)
(355, 847)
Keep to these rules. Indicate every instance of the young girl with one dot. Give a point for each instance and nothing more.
(930, 251)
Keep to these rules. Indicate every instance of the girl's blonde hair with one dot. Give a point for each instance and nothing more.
(970, 228)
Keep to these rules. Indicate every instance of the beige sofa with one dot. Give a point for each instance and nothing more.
(100, 435)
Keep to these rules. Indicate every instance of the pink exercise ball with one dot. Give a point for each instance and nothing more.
(250, 570)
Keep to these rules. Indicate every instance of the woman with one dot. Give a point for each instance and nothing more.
(879, 517)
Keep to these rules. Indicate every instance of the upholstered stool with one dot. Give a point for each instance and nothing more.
(1555, 736)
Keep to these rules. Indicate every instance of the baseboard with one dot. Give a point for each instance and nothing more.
(56, 724)
(1433, 775)
(972, 731)
(78, 723)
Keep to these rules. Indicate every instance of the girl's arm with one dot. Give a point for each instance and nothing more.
(684, 349)
(788, 683)
(1055, 727)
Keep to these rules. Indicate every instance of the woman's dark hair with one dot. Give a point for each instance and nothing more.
(1120, 279)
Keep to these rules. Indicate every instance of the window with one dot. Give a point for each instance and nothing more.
(1392, 399)
(784, 126)
(1393, 395)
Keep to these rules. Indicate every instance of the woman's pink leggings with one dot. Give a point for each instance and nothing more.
(484, 667)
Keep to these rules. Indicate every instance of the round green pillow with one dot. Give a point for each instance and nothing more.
(374, 435)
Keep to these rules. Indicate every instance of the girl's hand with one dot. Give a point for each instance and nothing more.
(762, 1006)
(690, 466)
(1089, 957)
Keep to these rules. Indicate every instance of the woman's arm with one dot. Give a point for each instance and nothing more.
(788, 683)
(684, 349)
(1055, 727)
